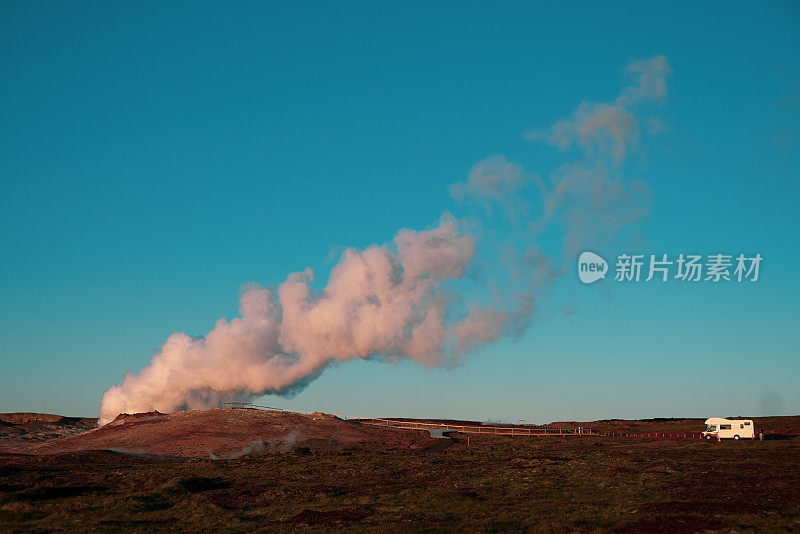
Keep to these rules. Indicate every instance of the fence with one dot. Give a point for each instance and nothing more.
(480, 429)
(415, 425)
(251, 406)
(473, 429)
(654, 434)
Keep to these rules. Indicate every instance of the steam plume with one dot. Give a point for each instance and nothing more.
(405, 299)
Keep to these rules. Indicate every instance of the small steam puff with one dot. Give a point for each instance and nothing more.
(402, 300)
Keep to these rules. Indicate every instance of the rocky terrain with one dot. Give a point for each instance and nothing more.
(23, 431)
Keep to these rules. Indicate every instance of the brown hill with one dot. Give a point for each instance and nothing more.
(225, 433)
(21, 431)
(24, 418)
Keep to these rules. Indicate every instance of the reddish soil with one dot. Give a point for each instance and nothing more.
(131, 417)
(226, 433)
(479, 483)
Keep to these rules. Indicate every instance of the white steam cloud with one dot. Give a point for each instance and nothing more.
(402, 300)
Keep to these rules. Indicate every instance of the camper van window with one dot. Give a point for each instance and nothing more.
(741, 426)
(724, 427)
(747, 423)
(712, 428)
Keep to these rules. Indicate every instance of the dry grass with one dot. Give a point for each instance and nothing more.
(497, 484)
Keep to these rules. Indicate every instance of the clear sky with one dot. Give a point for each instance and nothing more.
(156, 157)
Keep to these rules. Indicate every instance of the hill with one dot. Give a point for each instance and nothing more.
(219, 433)
(21, 431)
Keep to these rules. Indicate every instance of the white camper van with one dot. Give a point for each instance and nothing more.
(717, 427)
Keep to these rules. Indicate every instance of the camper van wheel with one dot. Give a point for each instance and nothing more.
(708, 438)
(735, 437)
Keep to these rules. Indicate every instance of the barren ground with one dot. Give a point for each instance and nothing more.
(223, 433)
(494, 483)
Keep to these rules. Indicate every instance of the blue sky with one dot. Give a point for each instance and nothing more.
(154, 158)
